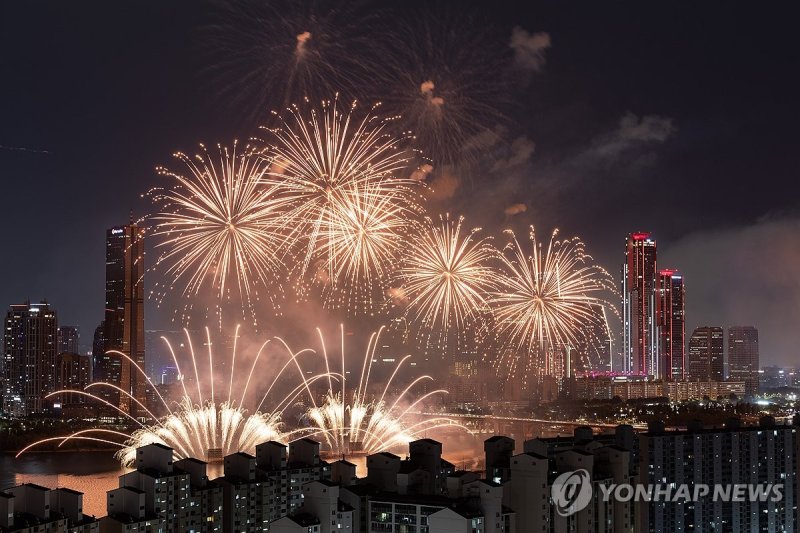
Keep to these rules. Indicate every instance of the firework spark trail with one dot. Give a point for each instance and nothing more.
(351, 422)
(548, 300)
(197, 423)
(447, 278)
(350, 202)
(220, 226)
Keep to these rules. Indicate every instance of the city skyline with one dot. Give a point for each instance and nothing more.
(629, 126)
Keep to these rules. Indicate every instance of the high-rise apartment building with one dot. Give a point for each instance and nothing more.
(743, 357)
(707, 354)
(639, 283)
(736, 454)
(123, 329)
(69, 339)
(29, 358)
(670, 318)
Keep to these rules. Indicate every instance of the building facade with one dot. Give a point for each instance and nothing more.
(69, 339)
(123, 326)
(743, 357)
(639, 282)
(670, 317)
(29, 358)
(288, 468)
(30, 508)
(74, 373)
(751, 455)
(707, 354)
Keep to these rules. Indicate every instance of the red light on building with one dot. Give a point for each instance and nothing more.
(640, 236)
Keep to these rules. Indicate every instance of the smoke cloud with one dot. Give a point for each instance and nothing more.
(631, 132)
(745, 276)
(444, 186)
(515, 209)
(529, 49)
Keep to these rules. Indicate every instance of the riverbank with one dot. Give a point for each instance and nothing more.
(110, 449)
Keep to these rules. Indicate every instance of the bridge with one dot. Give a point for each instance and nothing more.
(522, 427)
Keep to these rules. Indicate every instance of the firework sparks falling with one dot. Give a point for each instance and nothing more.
(351, 421)
(548, 301)
(219, 226)
(349, 204)
(201, 423)
(447, 276)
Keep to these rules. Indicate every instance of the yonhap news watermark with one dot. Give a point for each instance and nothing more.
(572, 492)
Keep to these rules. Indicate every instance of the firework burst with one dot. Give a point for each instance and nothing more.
(352, 421)
(266, 54)
(548, 302)
(349, 203)
(220, 227)
(443, 76)
(446, 278)
(202, 423)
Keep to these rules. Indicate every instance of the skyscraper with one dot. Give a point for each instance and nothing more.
(73, 372)
(29, 358)
(639, 335)
(743, 357)
(671, 325)
(707, 354)
(98, 351)
(69, 339)
(124, 315)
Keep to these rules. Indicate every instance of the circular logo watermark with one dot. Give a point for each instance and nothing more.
(572, 492)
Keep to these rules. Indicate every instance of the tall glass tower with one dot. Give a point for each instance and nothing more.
(671, 326)
(706, 354)
(639, 282)
(124, 317)
(743, 357)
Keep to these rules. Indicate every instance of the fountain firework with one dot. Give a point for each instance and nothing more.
(208, 423)
(351, 421)
(203, 423)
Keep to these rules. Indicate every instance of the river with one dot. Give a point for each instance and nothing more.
(92, 473)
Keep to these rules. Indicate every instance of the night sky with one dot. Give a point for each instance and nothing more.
(673, 117)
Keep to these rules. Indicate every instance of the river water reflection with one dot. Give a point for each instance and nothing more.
(92, 473)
